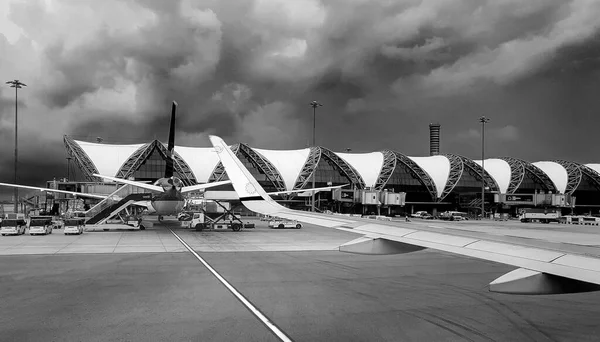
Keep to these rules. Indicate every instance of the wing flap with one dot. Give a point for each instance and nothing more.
(570, 260)
(515, 250)
(451, 240)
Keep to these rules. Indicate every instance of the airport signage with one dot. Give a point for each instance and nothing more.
(343, 195)
(524, 199)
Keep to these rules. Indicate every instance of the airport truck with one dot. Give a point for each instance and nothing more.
(539, 215)
(193, 220)
(13, 227)
(200, 221)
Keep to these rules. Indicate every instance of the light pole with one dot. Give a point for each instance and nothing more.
(314, 105)
(16, 84)
(483, 121)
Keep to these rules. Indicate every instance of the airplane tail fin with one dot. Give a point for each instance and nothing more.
(251, 194)
(171, 145)
(254, 197)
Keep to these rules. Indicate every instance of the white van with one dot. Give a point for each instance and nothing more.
(40, 225)
(13, 227)
(74, 226)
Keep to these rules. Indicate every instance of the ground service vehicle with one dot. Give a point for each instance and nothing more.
(40, 225)
(13, 227)
(539, 215)
(137, 222)
(74, 226)
(58, 224)
(418, 214)
(454, 216)
(279, 223)
(193, 220)
(422, 215)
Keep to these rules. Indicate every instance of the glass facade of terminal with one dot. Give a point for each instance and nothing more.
(587, 193)
(326, 172)
(152, 168)
(531, 184)
(401, 180)
(257, 173)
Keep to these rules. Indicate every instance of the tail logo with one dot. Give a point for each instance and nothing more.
(218, 149)
(250, 188)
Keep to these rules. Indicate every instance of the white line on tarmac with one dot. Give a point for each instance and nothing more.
(282, 336)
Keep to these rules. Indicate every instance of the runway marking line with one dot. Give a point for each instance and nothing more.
(270, 325)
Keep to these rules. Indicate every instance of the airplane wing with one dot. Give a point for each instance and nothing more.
(307, 190)
(203, 186)
(134, 183)
(80, 194)
(541, 270)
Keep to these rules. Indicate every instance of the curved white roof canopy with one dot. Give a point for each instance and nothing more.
(499, 170)
(438, 168)
(557, 173)
(202, 161)
(108, 158)
(595, 167)
(368, 165)
(289, 163)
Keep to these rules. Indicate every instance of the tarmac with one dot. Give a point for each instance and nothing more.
(147, 286)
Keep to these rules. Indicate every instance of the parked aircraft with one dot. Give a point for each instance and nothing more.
(170, 198)
(541, 270)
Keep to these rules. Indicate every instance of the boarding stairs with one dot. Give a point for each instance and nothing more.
(115, 202)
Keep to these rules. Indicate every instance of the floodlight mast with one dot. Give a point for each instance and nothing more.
(314, 105)
(483, 121)
(17, 85)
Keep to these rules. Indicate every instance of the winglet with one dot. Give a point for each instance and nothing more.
(243, 182)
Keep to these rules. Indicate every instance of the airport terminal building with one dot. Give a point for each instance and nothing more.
(435, 182)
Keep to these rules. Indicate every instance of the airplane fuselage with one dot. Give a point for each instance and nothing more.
(170, 202)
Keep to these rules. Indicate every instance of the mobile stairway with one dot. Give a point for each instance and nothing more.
(117, 201)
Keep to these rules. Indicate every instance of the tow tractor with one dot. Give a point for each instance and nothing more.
(137, 222)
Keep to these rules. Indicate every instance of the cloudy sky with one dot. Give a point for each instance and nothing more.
(248, 69)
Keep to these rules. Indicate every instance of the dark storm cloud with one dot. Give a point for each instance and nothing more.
(7, 102)
(214, 122)
(120, 129)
